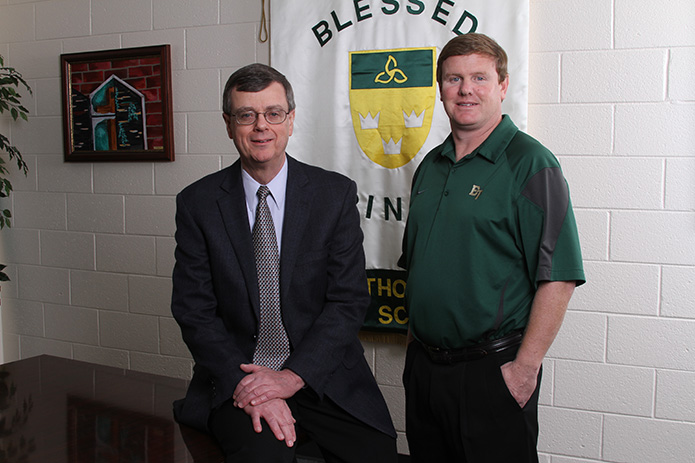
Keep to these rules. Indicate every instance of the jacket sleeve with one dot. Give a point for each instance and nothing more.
(195, 305)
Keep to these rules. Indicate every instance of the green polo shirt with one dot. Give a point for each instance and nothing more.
(481, 234)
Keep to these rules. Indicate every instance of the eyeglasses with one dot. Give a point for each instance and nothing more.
(273, 116)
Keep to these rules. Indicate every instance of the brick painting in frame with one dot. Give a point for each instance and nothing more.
(117, 105)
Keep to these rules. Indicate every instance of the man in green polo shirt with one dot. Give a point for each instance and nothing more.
(493, 257)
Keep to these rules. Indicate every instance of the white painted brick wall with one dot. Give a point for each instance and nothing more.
(569, 432)
(17, 23)
(579, 129)
(644, 23)
(604, 388)
(26, 248)
(652, 342)
(647, 440)
(215, 49)
(43, 211)
(96, 213)
(67, 249)
(150, 215)
(196, 90)
(585, 329)
(149, 295)
(123, 179)
(680, 188)
(657, 237)
(595, 184)
(619, 288)
(678, 282)
(593, 226)
(183, 13)
(562, 25)
(581, 83)
(122, 16)
(622, 122)
(44, 284)
(655, 129)
(67, 18)
(610, 92)
(54, 175)
(670, 403)
(72, 324)
(682, 65)
(128, 331)
(112, 294)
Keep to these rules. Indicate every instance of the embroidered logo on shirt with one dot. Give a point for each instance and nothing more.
(475, 191)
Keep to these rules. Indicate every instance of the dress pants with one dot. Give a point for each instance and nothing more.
(340, 437)
(464, 413)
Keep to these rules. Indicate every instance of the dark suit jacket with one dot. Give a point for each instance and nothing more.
(323, 289)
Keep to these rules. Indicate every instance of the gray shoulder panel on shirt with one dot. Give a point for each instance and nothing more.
(548, 190)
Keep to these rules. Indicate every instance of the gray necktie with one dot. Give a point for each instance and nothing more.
(273, 347)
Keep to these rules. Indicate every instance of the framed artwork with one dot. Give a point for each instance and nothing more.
(117, 105)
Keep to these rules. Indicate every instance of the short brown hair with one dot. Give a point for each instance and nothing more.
(468, 44)
(254, 78)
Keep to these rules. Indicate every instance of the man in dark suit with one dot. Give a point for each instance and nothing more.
(253, 395)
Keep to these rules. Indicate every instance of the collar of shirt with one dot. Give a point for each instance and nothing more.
(276, 199)
(493, 146)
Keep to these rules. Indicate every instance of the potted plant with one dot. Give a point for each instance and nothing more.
(10, 82)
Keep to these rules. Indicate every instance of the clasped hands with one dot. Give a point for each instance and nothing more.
(262, 394)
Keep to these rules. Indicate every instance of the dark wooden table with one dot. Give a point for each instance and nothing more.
(54, 410)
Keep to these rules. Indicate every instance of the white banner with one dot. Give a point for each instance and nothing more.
(368, 105)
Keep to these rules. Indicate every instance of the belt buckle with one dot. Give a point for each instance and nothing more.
(439, 355)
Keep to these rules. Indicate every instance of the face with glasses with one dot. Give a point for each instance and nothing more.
(260, 127)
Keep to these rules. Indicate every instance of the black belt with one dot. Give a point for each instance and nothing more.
(467, 354)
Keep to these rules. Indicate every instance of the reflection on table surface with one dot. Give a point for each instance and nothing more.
(55, 410)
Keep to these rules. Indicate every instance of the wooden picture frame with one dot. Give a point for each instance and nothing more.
(117, 105)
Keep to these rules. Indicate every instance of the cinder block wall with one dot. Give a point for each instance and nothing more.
(610, 92)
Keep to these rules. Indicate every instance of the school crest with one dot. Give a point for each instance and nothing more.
(392, 98)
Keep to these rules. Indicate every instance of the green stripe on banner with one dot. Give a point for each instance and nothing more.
(391, 69)
(387, 309)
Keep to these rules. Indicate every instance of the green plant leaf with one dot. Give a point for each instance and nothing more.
(5, 187)
(10, 100)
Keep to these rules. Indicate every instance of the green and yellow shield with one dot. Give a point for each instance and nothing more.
(392, 97)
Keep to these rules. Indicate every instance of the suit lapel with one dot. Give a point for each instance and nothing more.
(232, 206)
(297, 204)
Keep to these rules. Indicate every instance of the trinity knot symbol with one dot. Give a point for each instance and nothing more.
(392, 97)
